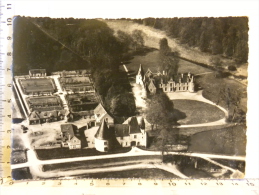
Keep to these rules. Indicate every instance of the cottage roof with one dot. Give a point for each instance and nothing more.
(104, 133)
(100, 109)
(34, 115)
(69, 129)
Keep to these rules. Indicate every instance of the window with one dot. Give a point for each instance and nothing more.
(135, 136)
(125, 143)
(121, 138)
(105, 143)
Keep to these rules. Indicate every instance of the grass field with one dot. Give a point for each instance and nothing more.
(230, 141)
(37, 85)
(194, 112)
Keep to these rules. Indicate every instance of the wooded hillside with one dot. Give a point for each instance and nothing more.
(227, 36)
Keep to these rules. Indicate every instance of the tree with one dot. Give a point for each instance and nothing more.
(125, 40)
(164, 49)
(232, 100)
(216, 62)
(159, 113)
(138, 39)
(169, 61)
(123, 105)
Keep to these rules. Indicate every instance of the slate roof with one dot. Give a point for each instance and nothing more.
(69, 129)
(141, 71)
(121, 130)
(104, 133)
(133, 125)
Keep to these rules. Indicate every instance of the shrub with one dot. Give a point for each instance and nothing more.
(232, 68)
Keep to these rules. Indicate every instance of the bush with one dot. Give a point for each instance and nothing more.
(232, 68)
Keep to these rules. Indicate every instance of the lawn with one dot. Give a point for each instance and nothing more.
(37, 85)
(195, 112)
(229, 141)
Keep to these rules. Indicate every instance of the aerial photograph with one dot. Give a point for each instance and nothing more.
(152, 98)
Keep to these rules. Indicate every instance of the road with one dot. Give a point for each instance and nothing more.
(34, 162)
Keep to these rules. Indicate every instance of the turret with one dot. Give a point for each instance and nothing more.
(140, 76)
(103, 138)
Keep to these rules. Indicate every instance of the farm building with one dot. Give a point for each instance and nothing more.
(101, 114)
(38, 117)
(130, 133)
(37, 73)
(70, 136)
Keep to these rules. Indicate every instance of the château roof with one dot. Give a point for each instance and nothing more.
(141, 71)
(104, 133)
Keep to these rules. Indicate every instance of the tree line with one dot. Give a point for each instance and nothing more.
(227, 36)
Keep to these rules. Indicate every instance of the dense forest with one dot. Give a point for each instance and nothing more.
(227, 36)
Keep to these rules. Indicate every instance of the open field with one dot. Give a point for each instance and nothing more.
(37, 85)
(44, 103)
(194, 112)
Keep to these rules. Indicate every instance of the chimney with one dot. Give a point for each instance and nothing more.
(68, 137)
(163, 72)
(182, 75)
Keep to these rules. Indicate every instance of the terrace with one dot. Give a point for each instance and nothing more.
(37, 86)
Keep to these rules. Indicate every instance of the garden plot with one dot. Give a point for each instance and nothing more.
(32, 86)
(44, 103)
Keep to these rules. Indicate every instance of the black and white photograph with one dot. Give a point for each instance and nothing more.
(151, 98)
